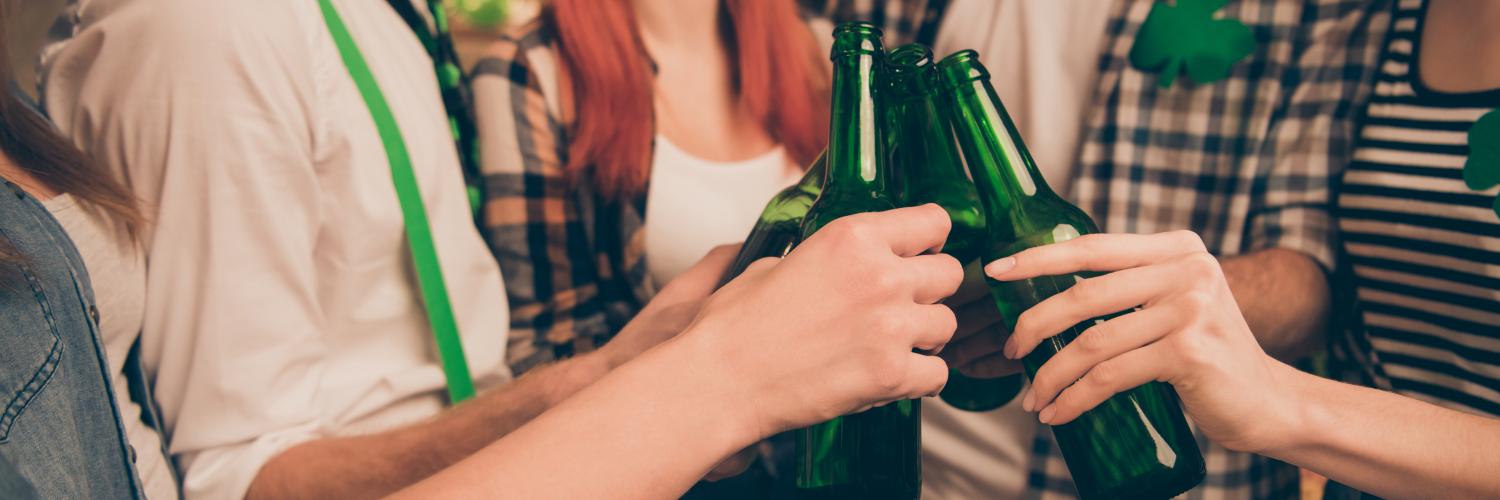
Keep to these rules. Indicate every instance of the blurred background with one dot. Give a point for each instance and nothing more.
(475, 24)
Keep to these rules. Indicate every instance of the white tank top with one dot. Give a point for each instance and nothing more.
(695, 204)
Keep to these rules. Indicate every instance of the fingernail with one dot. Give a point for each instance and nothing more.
(996, 268)
(1047, 414)
(1028, 400)
(1010, 348)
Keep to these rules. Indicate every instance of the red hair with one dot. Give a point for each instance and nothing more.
(779, 77)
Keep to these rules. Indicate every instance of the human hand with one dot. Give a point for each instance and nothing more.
(829, 330)
(672, 309)
(977, 343)
(1188, 332)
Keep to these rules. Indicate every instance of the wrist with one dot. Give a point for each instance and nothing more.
(1302, 416)
(718, 389)
(577, 373)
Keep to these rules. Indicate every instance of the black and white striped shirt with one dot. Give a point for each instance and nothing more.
(1423, 245)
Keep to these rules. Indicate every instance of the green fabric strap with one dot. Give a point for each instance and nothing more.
(413, 212)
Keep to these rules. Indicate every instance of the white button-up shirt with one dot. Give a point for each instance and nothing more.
(281, 303)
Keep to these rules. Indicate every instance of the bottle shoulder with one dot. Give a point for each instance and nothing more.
(1037, 221)
(834, 204)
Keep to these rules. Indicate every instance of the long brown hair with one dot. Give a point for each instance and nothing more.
(778, 76)
(35, 146)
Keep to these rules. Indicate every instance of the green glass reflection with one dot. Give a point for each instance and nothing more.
(780, 223)
(928, 168)
(1136, 444)
(874, 454)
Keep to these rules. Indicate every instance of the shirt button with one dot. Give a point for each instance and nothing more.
(94, 313)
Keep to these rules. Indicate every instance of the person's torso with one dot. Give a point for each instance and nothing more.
(380, 368)
(117, 270)
(695, 204)
(60, 425)
(364, 264)
(1421, 226)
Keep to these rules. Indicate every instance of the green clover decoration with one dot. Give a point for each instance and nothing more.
(1185, 36)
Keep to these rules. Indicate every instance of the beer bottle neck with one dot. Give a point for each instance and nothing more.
(855, 150)
(812, 181)
(1003, 169)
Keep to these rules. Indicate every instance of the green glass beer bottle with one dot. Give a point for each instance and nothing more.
(1134, 445)
(780, 223)
(875, 454)
(920, 145)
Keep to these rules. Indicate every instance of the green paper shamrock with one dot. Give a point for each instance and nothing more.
(1186, 35)
(1482, 169)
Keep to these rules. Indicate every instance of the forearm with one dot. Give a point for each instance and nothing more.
(1390, 445)
(1284, 297)
(379, 464)
(648, 430)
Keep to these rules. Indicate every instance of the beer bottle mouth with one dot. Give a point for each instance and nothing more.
(910, 56)
(856, 38)
(909, 71)
(961, 68)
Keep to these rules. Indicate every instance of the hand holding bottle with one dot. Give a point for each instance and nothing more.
(976, 348)
(1188, 332)
(829, 330)
(671, 310)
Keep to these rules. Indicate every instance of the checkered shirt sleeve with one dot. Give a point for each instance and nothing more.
(534, 217)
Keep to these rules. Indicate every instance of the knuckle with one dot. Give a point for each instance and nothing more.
(947, 319)
(936, 215)
(1089, 241)
(943, 321)
(1094, 340)
(953, 267)
(886, 371)
(1104, 375)
(1197, 301)
(1202, 265)
(1024, 326)
(1186, 239)
(889, 323)
(1083, 292)
(884, 282)
(842, 232)
(1085, 248)
(1190, 348)
(858, 229)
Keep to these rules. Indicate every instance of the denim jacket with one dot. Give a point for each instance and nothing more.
(59, 425)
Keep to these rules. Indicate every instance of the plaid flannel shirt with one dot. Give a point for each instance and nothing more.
(574, 264)
(1246, 162)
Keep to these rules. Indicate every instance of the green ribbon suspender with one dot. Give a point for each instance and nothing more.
(413, 212)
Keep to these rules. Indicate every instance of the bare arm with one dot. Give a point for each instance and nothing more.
(1192, 335)
(782, 346)
(379, 464)
(1284, 297)
(614, 431)
(1390, 445)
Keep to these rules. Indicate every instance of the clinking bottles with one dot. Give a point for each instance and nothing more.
(875, 454)
(926, 159)
(1134, 445)
(780, 223)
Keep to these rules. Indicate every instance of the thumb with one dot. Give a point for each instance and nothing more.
(699, 281)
